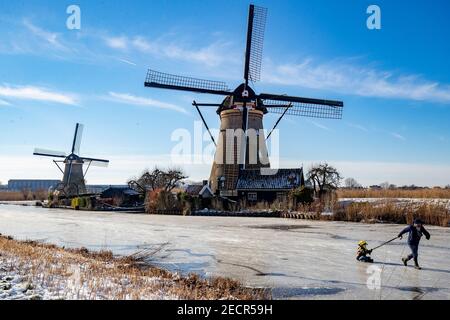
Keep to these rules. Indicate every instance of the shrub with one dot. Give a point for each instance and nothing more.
(160, 200)
(303, 195)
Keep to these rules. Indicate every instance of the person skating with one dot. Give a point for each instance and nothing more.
(415, 232)
(363, 254)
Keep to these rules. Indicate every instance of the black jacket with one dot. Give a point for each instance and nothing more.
(414, 235)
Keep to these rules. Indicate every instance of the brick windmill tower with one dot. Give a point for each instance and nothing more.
(242, 111)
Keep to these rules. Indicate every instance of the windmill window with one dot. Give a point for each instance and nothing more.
(252, 196)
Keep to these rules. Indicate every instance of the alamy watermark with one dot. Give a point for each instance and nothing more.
(374, 279)
(233, 146)
(73, 21)
(374, 20)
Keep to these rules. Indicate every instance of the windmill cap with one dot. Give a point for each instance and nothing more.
(418, 221)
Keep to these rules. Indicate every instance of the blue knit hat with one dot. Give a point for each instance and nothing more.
(418, 221)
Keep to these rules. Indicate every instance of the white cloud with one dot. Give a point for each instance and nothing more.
(343, 76)
(117, 42)
(144, 45)
(37, 94)
(318, 125)
(398, 136)
(4, 103)
(211, 55)
(30, 38)
(51, 38)
(127, 61)
(358, 126)
(127, 98)
(347, 78)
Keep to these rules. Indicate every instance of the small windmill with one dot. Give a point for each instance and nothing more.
(243, 108)
(73, 183)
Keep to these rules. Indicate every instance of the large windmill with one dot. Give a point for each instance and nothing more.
(244, 109)
(73, 183)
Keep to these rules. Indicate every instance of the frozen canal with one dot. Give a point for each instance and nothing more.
(298, 259)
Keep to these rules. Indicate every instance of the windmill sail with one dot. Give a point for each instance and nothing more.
(77, 138)
(162, 80)
(96, 162)
(49, 153)
(255, 41)
(306, 107)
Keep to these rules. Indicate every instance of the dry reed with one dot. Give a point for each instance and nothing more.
(100, 275)
(391, 212)
(435, 193)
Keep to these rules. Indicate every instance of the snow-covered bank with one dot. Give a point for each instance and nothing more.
(20, 203)
(15, 287)
(34, 271)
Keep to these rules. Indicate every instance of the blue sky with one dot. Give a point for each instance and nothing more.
(395, 83)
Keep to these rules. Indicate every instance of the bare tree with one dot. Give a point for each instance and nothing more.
(158, 178)
(385, 185)
(324, 178)
(351, 183)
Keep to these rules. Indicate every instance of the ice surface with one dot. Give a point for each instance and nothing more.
(298, 259)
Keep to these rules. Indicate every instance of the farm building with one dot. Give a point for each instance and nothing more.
(121, 196)
(99, 188)
(201, 195)
(200, 190)
(268, 184)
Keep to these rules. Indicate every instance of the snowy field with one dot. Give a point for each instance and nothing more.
(298, 259)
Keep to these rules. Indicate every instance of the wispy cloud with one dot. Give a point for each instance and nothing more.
(36, 94)
(348, 78)
(51, 38)
(398, 136)
(98, 46)
(4, 103)
(318, 125)
(211, 55)
(127, 61)
(344, 76)
(30, 38)
(117, 42)
(358, 126)
(127, 98)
